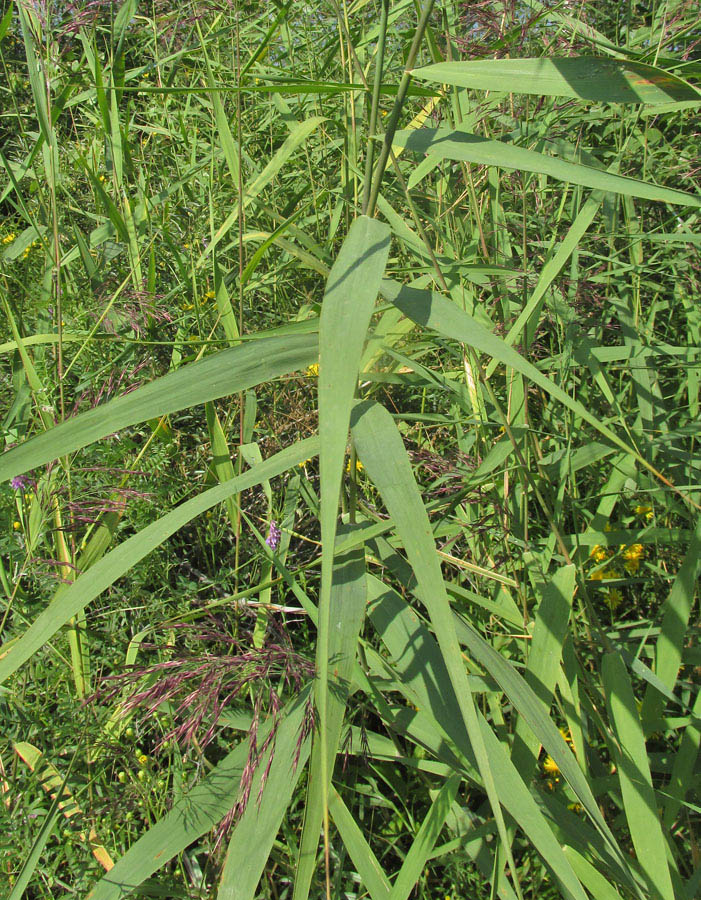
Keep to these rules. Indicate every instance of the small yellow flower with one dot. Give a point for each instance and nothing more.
(209, 295)
(142, 759)
(645, 511)
(566, 736)
(598, 553)
(358, 466)
(613, 599)
(574, 807)
(550, 767)
(16, 526)
(635, 551)
(9, 238)
(631, 566)
(304, 462)
(313, 370)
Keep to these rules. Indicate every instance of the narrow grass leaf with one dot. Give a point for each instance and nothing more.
(193, 815)
(425, 840)
(251, 190)
(360, 852)
(434, 311)
(583, 77)
(639, 801)
(675, 623)
(252, 838)
(70, 600)
(227, 372)
(597, 884)
(34, 856)
(382, 451)
(427, 685)
(549, 634)
(346, 614)
(444, 143)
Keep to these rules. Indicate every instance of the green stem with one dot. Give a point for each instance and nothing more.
(377, 84)
(397, 108)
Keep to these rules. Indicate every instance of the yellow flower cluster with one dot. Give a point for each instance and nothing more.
(631, 561)
(551, 768)
(598, 554)
(358, 466)
(8, 238)
(645, 511)
(632, 556)
(28, 250)
(313, 370)
(205, 297)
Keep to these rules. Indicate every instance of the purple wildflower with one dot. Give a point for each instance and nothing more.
(20, 482)
(273, 538)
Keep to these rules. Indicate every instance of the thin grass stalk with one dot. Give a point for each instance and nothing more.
(377, 84)
(239, 138)
(397, 108)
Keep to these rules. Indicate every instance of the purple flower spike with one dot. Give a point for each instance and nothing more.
(273, 538)
(20, 482)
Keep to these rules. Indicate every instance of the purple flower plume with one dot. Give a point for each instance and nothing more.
(273, 538)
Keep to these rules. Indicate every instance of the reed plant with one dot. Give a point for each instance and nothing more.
(350, 488)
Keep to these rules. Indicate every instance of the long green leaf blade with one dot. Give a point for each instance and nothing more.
(349, 299)
(445, 143)
(583, 77)
(227, 372)
(639, 801)
(72, 599)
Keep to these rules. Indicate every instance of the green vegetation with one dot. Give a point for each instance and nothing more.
(349, 493)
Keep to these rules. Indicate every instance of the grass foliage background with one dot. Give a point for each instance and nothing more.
(349, 516)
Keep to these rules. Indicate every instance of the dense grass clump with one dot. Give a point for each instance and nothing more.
(349, 501)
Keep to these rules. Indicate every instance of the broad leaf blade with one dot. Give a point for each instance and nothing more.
(347, 611)
(639, 801)
(445, 143)
(349, 299)
(252, 839)
(583, 77)
(226, 372)
(74, 598)
(381, 448)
